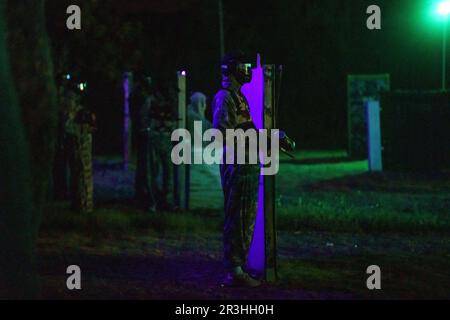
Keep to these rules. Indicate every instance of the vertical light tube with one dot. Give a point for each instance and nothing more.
(254, 92)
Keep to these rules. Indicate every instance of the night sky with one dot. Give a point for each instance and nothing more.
(318, 42)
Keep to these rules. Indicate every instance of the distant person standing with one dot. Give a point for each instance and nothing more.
(86, 120)
(60, 163)
(142, 100)
(79, 126)
(163, 123)
(196, 112)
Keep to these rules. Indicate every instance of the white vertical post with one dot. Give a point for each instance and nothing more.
(374, 135)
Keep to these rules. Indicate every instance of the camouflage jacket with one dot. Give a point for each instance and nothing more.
(230, 108)
(231, 111)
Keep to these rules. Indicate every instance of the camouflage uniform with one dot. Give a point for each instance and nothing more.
(60, 174)
(141, 104)
(79, 145)
(163, 122)
(239, 181)
(86, 180)
(161, 169)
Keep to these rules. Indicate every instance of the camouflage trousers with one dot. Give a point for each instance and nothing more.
(161, 169)
(143, 190)
(82, 182)
(240, 187)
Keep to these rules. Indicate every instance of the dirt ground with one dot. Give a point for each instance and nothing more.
(189, 267)
(186, 268)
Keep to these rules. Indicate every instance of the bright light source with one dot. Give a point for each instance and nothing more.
(443, 8)
(183, 73)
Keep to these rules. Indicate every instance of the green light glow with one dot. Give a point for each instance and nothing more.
(443, 8)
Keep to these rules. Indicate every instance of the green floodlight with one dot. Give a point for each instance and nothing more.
(443, 8)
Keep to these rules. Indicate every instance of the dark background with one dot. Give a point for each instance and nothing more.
(319, 42)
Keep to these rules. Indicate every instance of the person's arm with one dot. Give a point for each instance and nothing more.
(224, 116)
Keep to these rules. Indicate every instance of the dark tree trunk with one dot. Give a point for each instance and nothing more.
(32, 70)
(27, 134)
(17, 277)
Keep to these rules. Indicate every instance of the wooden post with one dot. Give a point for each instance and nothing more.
(270, 232)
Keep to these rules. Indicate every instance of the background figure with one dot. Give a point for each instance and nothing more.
(163, 122)
(86, 121)
(196, 112)
(60, 190)
(141, 104)
(79, 125)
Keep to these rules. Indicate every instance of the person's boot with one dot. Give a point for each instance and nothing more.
(239, 278)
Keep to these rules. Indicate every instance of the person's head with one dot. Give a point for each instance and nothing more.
(236, 64)
(72, 90)
(198, 102)
(145, 82)
(148, 80)
(71, 100)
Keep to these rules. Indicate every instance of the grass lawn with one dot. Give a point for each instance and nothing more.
(334, 220)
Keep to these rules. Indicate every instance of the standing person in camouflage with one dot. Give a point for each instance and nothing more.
(163, 122)
(60, 163)
(141, 104)
(86, 121)
(79, 125)
(239, 181)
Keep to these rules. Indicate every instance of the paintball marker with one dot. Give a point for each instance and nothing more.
(287, 145)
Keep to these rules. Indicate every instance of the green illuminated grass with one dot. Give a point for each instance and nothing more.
(334, 220)
(318, 191)
(403, 276)
(366, 212)
(116, 221)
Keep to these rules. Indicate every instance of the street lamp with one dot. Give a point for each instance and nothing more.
(443, 9)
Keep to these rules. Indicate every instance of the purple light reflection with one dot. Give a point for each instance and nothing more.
(126, 119)
(254, 92)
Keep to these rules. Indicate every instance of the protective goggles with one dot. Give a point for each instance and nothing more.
(244, 68)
